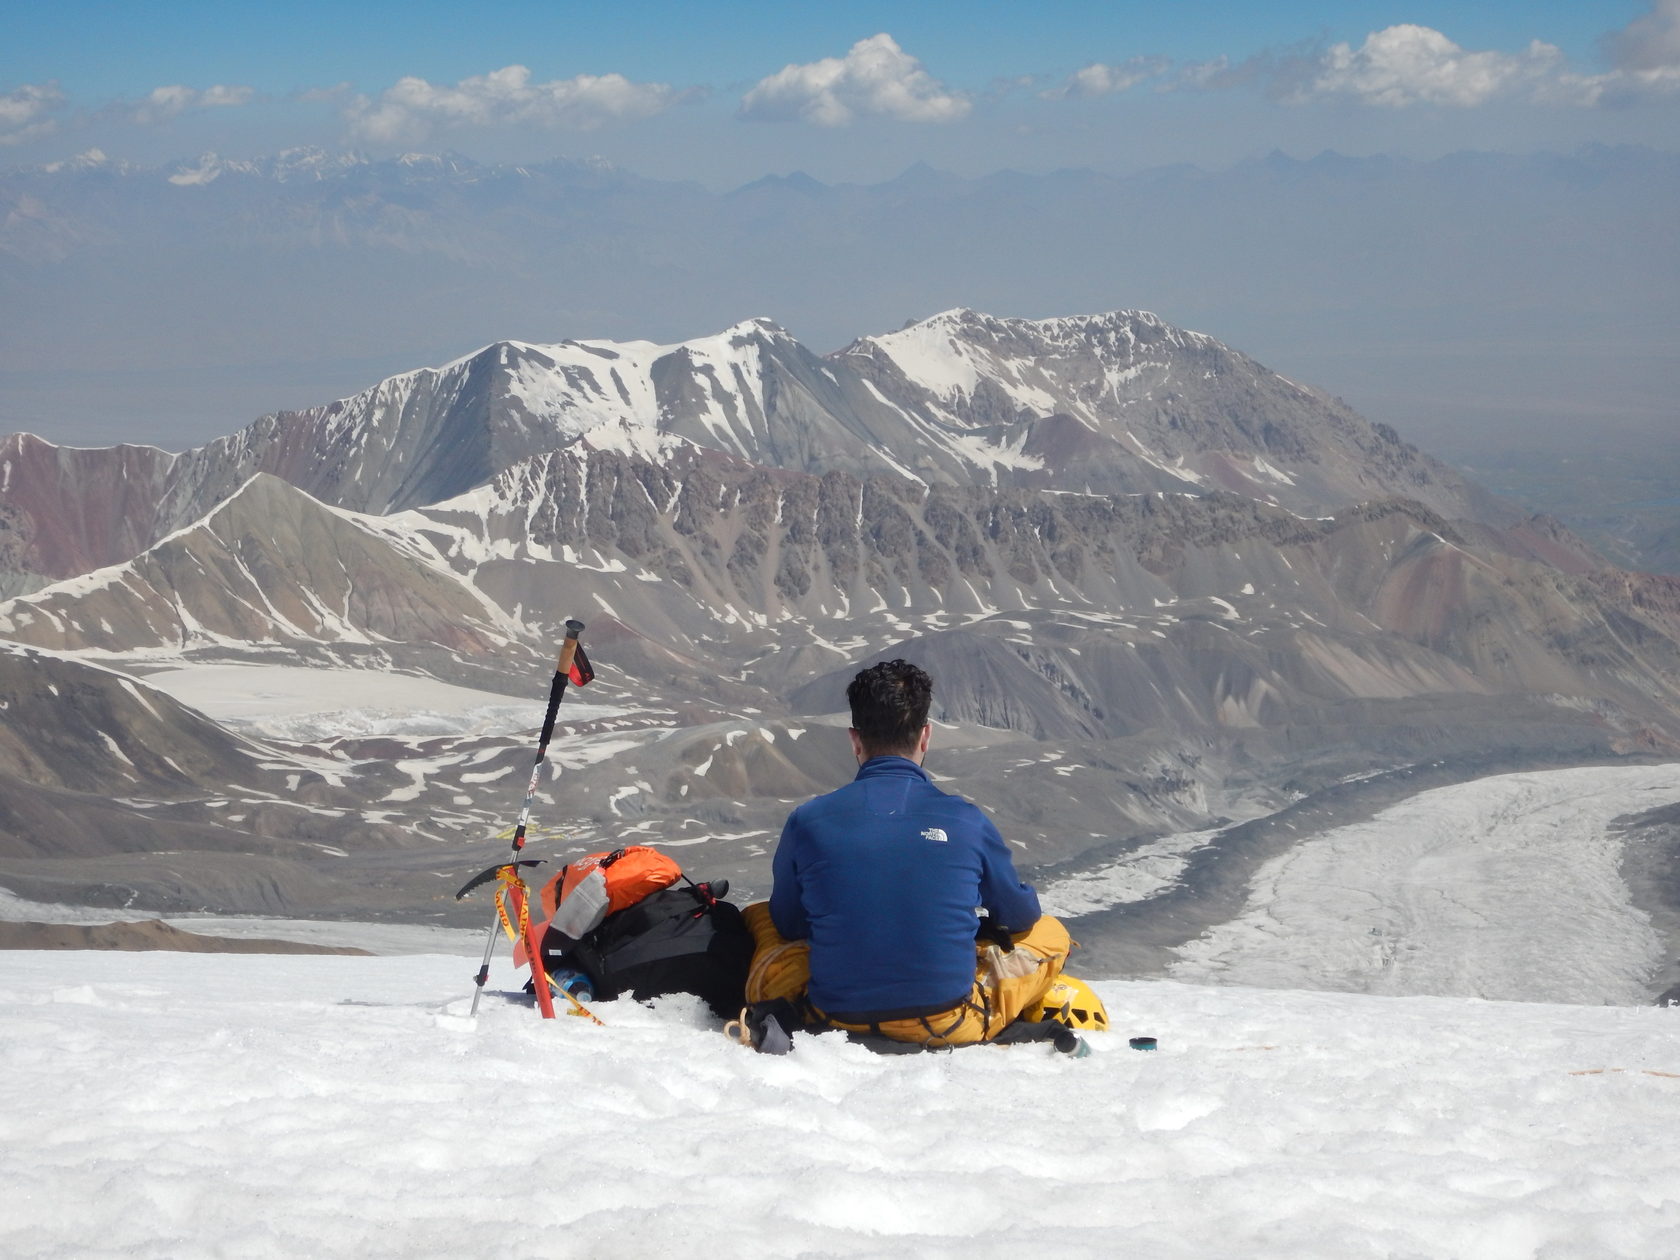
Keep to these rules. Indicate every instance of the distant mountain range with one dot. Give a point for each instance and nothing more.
(1159, 586)
(1112, 404)
(183, 299)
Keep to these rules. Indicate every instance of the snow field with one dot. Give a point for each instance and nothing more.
(201, 1105)
(301, 704)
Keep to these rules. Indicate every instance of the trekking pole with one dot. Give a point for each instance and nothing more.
(572, 665)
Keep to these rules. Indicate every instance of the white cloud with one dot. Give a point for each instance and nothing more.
(26, 113)
(876, 78)
(1097, 79)
(1222, 73)
(165, 104)
(1646, 53)
(1649, 43)
(1410, 65)
(1416, 65)
(412, 108)
(219, 96)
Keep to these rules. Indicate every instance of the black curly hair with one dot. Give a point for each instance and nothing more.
(890, 703)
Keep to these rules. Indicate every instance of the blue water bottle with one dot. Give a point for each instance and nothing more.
(571, 980)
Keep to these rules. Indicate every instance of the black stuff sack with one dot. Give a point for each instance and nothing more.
(677, 940)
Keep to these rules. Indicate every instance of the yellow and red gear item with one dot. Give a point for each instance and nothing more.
(513, 902)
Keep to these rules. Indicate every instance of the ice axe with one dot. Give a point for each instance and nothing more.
(512, 896)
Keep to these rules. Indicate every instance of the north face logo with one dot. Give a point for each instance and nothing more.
(936, 834)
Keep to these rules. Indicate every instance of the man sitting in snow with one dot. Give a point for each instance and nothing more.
(871, 924)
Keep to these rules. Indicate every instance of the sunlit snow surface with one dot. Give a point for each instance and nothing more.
(167, 1105)
(299, 704)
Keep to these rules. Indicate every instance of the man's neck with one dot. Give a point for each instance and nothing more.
(865, 758)
(915, 752)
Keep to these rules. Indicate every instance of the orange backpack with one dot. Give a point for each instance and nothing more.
(587, 890)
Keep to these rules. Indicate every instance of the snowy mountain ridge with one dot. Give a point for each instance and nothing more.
(946, 355)
(1121, 403)
(268, 565)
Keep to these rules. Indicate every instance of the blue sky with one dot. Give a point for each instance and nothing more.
(109, 50)
(728, 91)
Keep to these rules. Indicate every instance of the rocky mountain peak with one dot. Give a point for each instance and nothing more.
(1113, 403)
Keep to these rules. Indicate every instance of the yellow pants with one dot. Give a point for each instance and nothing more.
(1006, 982)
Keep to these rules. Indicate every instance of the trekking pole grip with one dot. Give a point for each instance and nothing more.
(569, 646)
(562, 667)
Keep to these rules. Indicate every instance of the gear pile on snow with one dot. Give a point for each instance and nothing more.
(643, 933)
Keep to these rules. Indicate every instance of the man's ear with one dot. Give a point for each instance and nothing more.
(927, 735)
(857, 744)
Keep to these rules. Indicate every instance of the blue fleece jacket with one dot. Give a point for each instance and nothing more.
(883, 877)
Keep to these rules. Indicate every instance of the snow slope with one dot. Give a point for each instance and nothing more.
(159, 1105)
